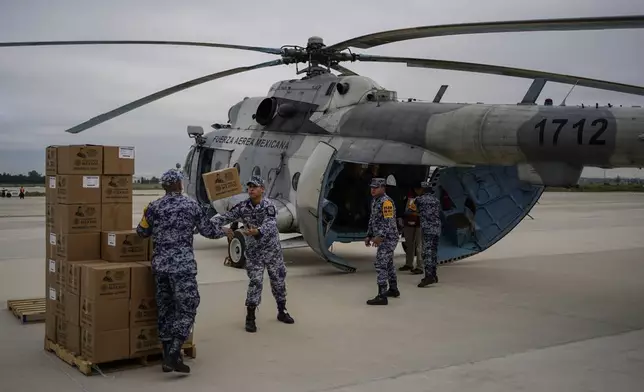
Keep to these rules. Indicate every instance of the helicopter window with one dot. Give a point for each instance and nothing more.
(257, 171)
(187, 167)
(217, 165)
(236, 166)
(295, 180)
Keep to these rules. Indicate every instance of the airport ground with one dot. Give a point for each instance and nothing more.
(556, 305)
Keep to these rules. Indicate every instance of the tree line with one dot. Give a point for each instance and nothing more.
(31, 178)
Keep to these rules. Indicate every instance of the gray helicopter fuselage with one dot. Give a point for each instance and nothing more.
(502, 156)
(368, 124)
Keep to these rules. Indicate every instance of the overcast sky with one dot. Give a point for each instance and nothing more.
(45, 90)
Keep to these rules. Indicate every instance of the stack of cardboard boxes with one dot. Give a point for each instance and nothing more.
(100, 290)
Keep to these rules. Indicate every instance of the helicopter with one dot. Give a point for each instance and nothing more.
(319, 139)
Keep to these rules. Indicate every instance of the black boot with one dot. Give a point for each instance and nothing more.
(380, 299)
(430, 278)
(393, 290)
(250, 319)
(174, 361)
(166, 366)
(282, 314)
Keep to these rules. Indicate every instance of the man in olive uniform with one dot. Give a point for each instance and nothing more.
(429, 208)
(383, 233)
(263, 249)
(171, 221)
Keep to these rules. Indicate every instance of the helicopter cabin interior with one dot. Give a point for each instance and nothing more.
(479, 205)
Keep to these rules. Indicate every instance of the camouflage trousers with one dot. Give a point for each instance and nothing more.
(177, 298)
(430, 251)
(385, 265)
(271, 259)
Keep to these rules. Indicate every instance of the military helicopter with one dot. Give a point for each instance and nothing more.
(319, 139)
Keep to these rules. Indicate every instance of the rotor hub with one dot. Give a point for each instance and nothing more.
(315, 42)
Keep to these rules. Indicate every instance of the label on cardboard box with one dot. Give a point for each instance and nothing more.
(52, 238)
(144, 340)
(78, 218)
(126, 152)
(222, 183)
(143, 311)
(52, 266)
(52, 182)
(105, 280)
(117, 189)
(124, 245)
(52, 294)
(79, 159)
(91, 182)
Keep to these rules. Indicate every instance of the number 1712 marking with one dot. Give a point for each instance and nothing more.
(579, 126)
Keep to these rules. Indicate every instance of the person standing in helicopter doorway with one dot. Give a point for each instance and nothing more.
(170, 221)
(263, 249)
(429, 208)
(383, 233)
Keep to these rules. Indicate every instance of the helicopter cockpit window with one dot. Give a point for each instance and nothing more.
(257, 171)
(188, 164)
(236, 166)
(295, 180)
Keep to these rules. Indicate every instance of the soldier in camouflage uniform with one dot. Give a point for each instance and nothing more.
(171, 221)
(429, 208)
(383, 233)
(263, 249)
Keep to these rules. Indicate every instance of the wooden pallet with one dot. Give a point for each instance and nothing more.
(88, 368)
(28, 310)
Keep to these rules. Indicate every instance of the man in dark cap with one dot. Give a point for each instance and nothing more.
(429, 208)
(263, 249)
(383, 233)
(170, 221)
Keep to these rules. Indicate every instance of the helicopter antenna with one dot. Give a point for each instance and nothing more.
(563, 103)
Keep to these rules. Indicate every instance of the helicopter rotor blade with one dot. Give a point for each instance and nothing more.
(168, 91)
(391, 36)
(139, 42)
(506, 71)
(343, 70)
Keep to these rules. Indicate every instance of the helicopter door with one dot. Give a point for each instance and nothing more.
(310, 200)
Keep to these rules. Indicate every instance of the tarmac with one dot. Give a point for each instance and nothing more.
(554, 306)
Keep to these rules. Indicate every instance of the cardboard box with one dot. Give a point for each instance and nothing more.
(116, 189)
(79, 159)
(105, 280)
(73, 189)
(75, 247)
(51, 191)
(52, 299)
(144, 341)
(143, 284)
(51, 163)
(72, 308)
(105, 346)
(222, 183)
(68, 336)
(104, 314)
(71, 272)
(121, 246)
(143, 311)
(50, 327)
(118, 160)
(53, 269)
(77, 218)
(116, 217)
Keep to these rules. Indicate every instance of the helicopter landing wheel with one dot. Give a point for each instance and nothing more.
(236, 251)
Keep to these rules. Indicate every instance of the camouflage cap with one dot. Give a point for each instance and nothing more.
(255, 181)
(377, 182)
(171, 176)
